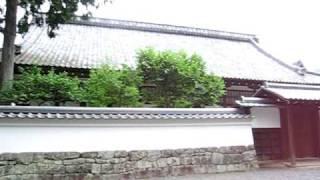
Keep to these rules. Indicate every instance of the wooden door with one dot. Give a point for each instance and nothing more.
(305, 124)
(267, 142)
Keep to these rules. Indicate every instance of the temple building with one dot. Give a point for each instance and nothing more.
(283, 99)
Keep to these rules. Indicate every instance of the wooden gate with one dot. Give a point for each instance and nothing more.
(305, 125)
(305, 131)
(267, 142)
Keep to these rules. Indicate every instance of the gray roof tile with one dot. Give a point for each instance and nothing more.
(292, 91)
(90, 44)
(40, 112)
(255, 102)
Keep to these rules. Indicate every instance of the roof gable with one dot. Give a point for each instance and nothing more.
(291, 91)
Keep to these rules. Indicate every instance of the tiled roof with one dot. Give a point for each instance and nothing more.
(91, 43)
(292, 91)
(254, 102)
(41, 112)
(164, 28)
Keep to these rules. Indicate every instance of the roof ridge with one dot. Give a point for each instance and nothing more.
(313, 73)
(263, 51)
(163, 28)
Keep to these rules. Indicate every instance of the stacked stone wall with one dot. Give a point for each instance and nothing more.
(126, 164)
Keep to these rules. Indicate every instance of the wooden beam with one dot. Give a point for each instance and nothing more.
(292, 152)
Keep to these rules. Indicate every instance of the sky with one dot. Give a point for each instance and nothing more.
(289, 29)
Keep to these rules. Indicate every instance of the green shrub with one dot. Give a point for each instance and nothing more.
(180, 80)
(33, 85)
(113, 88)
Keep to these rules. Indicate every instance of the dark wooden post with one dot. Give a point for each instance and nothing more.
(292, 152)
(318, 129)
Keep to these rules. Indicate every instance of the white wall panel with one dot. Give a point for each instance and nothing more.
(95, 137)
(265, 117)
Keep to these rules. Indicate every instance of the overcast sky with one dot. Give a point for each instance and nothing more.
(289, 29)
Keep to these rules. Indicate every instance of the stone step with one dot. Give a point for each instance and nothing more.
(300, 163)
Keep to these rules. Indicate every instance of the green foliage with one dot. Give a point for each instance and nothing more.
(59, 12)
(180, 80)
(176, 80)
(36, 86)
(113, 88)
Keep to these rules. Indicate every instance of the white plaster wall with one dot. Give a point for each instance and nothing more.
(265, 117)
(84, 137)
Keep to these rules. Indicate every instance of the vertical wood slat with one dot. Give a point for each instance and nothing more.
(318, 130)
(292, 153)
(268, 143)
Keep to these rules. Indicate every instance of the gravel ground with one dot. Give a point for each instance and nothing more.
(261, 174)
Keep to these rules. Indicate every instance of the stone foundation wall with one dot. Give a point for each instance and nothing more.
(126, 165)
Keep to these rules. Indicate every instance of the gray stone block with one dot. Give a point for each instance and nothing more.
(217, 158)
(225, 150)
(8, 157)
(79, 168)
(196, 160)
(46, 161)
(50, 169)
(153, 155)
(186, 170)
(105, 155)
(221, 168)
(102, 161)
(137, 155)
(10, 177)
(118, 160)
(96, 168)
(24, 158)
(185, 160)
(212, 168)
(22, 169)
(62, 155)
(3, 170)
(204, 160)
(74, 161)
(200, 169)
(143, 164)
(212, 149)
(162, 162)
(106, 168)
(3, 163)
(173, 161)
(143, 174)
(37, 157)
(166, 153)
(238, 149)
(232, 158)
(249, 155)
(91, 155)
(121, 154)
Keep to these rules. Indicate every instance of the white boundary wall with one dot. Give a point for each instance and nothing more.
(265, 117)
(50, 135)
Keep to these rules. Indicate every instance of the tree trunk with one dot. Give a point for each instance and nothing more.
(8, 50)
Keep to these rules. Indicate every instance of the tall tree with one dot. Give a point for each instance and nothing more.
(58, 12)
(9, 33)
